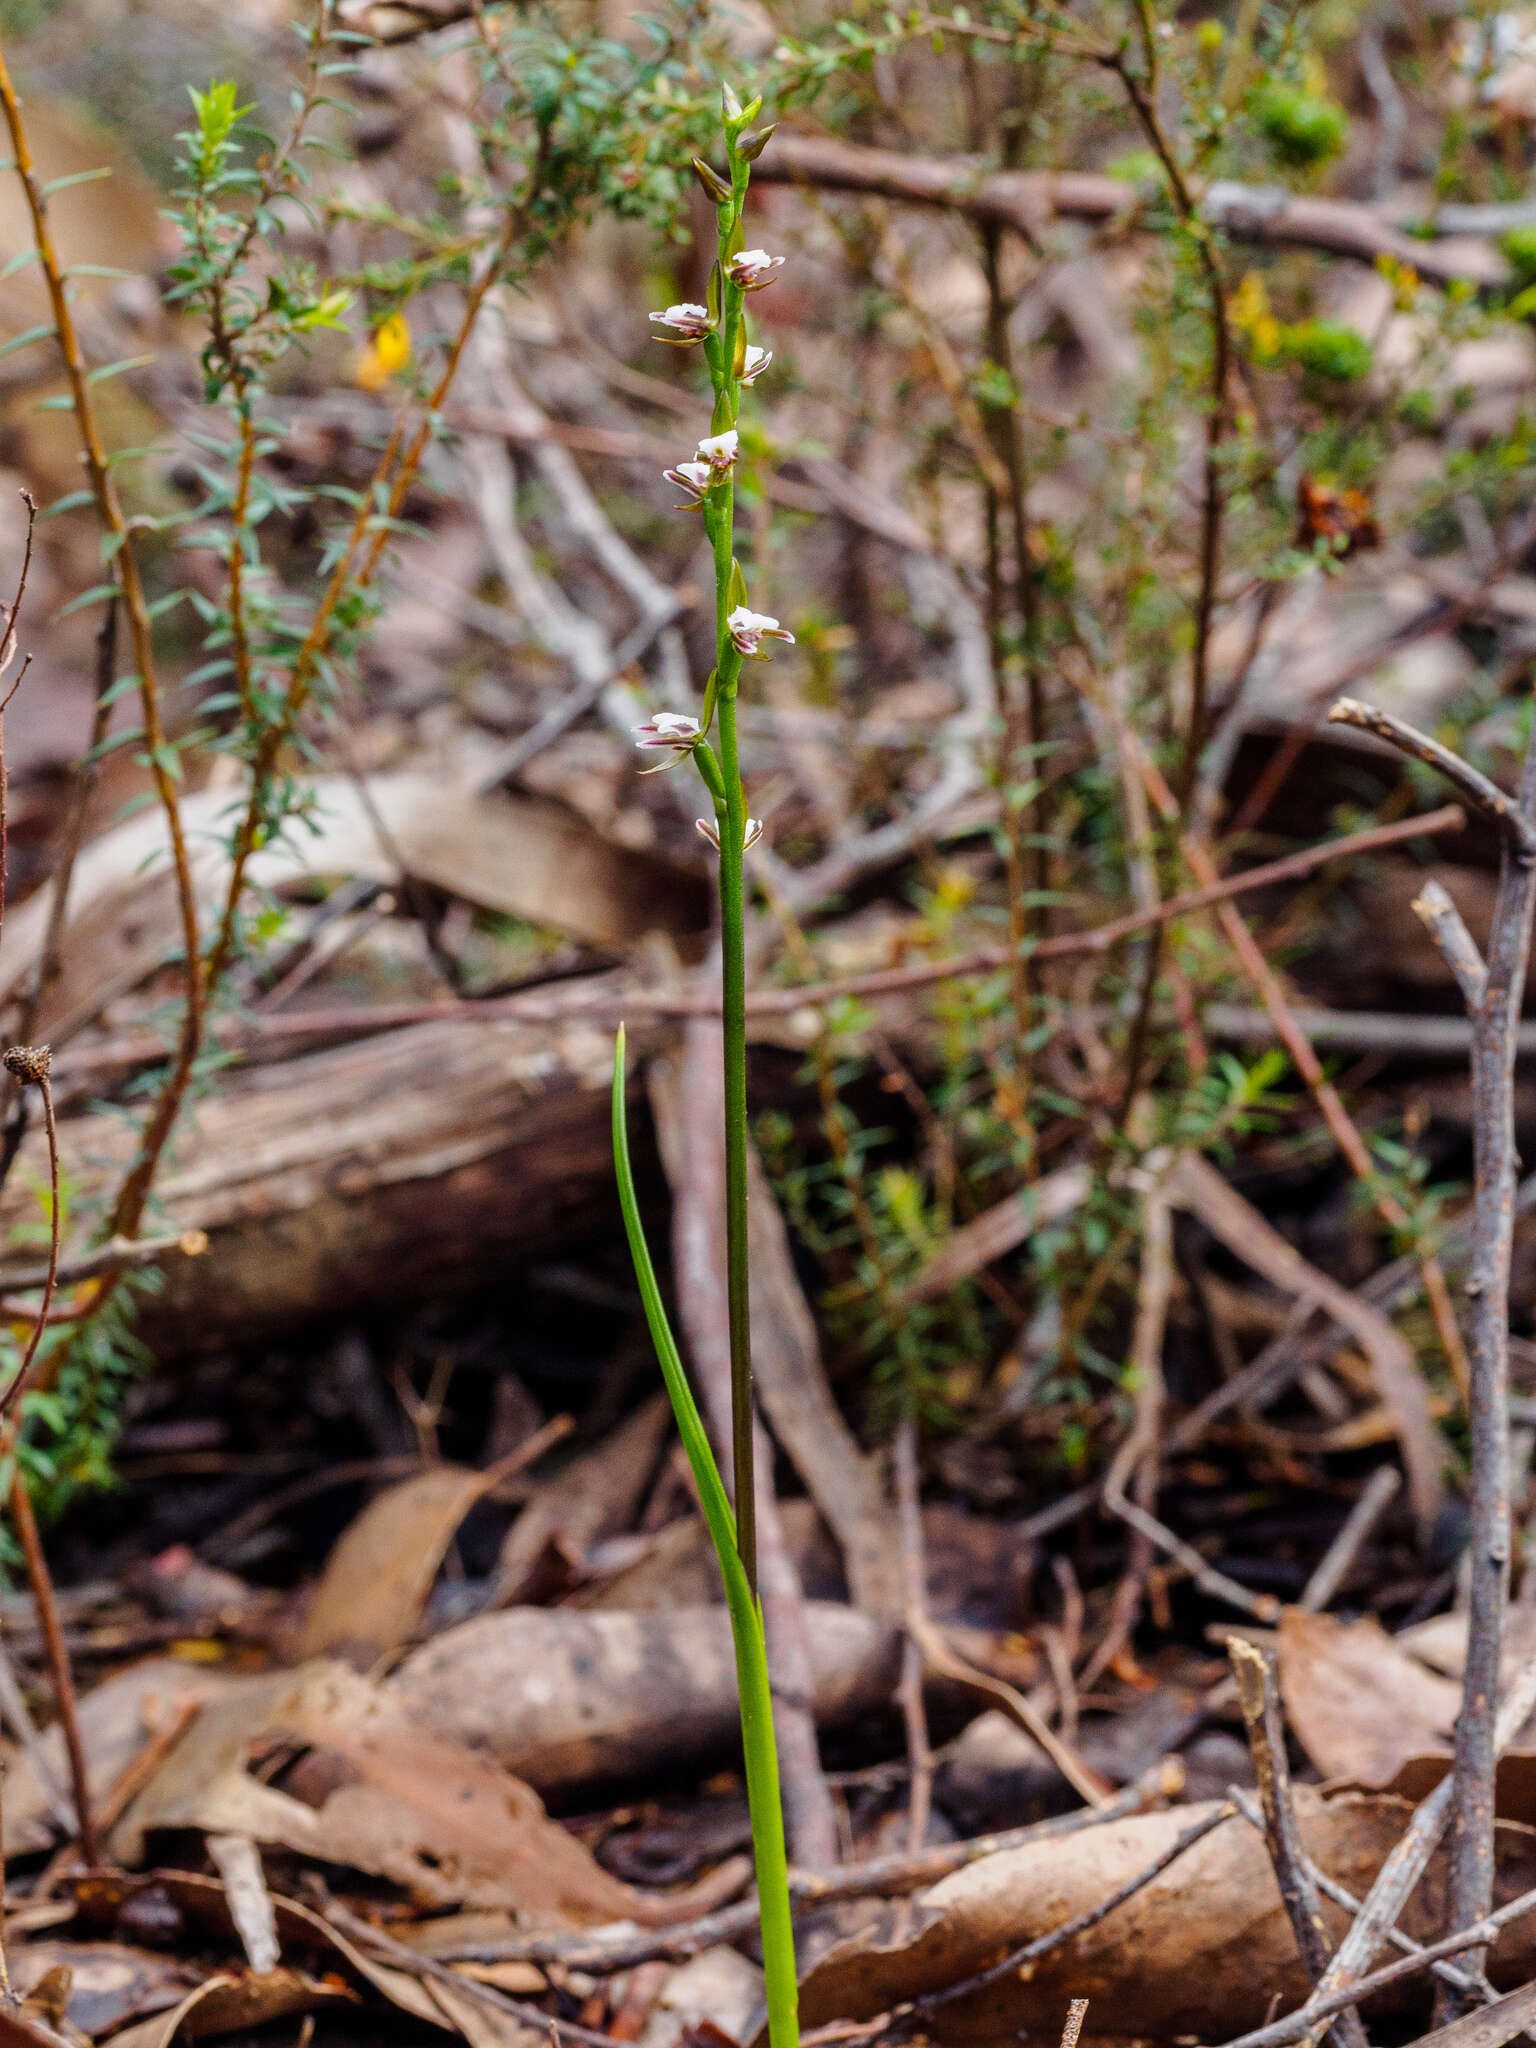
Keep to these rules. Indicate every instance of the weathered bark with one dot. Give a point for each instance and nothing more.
(420, 1159)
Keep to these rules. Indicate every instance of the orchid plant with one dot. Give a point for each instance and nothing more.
(710, 743)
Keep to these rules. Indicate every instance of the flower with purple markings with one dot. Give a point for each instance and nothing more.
(753, 833)
(752, 269)
(719, 451)
(673, 733)
(684, 323)
(693, 477)
(748, 631)
(714, 458)
(756, 361)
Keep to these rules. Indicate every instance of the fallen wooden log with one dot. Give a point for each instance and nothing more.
(417, 1160)
(563, 1698)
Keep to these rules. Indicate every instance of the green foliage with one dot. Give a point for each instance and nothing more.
(1519, 245)
(1302, 129)
(1326, 350)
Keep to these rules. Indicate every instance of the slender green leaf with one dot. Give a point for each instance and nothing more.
(42, 332)
(75, 178)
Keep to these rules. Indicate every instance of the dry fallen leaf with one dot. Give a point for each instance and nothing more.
(117, 1718)
(228, 2004)
(378, 1576)
(1441, 1642)
(109, 1982)
(373, 1789)
(1359, 1705)
(1204, 1949)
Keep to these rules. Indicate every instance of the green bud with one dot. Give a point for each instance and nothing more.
(730, 105)
(715, 187)
(755, 141)
(752, 109)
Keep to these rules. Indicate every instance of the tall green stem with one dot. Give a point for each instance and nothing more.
(780, 1987)
(719, 767)
(733, 1013)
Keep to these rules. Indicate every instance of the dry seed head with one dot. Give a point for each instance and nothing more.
(29, 1062)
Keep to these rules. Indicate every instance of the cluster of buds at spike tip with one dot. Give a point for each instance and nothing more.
(714, 458)
(750, 837)
(749, 629)
(684, 324)
(673, 733)
(753, 268)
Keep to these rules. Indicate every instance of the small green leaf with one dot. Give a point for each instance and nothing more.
(97, 594)
(116, 369)
(72, 501)
(44, 332)
(75, 178)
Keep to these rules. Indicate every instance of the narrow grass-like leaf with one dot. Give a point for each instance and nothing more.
(690, 1424)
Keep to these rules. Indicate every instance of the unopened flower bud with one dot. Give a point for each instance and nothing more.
(729, 102)
(752, 269)
(755, 141)
(716, 190)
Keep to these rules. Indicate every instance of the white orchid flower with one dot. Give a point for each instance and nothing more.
(752, 268)
(749, 629)
(673, 733)
(685, 323)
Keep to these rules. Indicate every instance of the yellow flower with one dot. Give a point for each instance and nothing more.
(1249, 302)
(387, 354)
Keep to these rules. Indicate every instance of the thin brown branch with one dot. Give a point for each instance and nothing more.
(1378, 1494)
(1138, 1457)
(1469, 782)
(1099, 939)
(892, 1876)
(1395, 1881)
(29, 1065)
(49, 959)
(1330, 1104)
(356, 565)
(419, 1964)
(7, 656)
(129, 1206)
(1259, 1699)
(1072, 2026)
(1031, 1951)
(118, 1254)
(59, 1668)
(1028, 201)
(909, 1523)
(1457, 946)
(1495, 1023)
(1297, 2025)
(1341, 1895)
